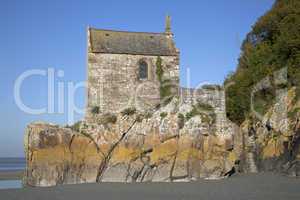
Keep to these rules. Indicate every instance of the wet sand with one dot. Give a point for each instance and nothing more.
(252, 187)
(11, 175)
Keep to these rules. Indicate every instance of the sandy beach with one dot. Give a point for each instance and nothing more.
(254, 186)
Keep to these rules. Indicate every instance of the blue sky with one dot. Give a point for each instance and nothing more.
(40, 34)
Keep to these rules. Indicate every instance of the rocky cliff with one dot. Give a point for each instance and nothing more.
(175, 143)
(178, 142)
(272, 143)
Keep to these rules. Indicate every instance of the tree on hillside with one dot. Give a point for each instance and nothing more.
(273, 43)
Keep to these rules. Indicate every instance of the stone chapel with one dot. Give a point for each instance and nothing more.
(122, 68)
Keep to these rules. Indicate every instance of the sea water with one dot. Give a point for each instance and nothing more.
(11, 164)
(10, 184)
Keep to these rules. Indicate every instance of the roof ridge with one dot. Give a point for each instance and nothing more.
(121, 31)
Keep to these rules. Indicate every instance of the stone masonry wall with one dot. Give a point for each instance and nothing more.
(113, 82)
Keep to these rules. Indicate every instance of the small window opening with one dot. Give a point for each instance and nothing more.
(143, 70)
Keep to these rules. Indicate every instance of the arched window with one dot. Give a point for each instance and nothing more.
(143, 70)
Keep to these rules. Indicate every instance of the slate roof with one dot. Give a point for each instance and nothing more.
(136, 43)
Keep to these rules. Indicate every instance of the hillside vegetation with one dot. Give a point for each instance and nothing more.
(273, 44)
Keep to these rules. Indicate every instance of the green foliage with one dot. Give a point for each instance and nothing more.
(128, 111)
(95, 110)
(148, 115)
(204, 110)
(166, 85)
(263, 99)
(166, 93)
(139, 117)
(76, 126)
(204, 107)
(211, 87)
(85, 134)
(107, 118)
(208, 118)
(180, 121)
(191, 114)
(163, 115)
(159, 69)
(145, 115)
(292, 114)
(272, 44)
